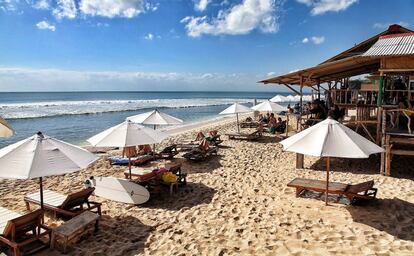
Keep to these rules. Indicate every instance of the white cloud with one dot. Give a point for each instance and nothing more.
(323, 6)
(45, 25)
(149, 37)
(42, 5)
(8, 5)
(236, 20)
(386, 25)
(115, 8)
(271, 74)
(201, 5)
(65, 9)
(318, 39)
(314, 39)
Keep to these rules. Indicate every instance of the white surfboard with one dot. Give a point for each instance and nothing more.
(120, 190)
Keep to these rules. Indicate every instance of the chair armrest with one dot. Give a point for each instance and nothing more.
(8, 242)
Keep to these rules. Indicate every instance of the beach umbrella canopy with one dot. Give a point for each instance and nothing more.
(236, 108)
(155, 117)
(41, 156)
(330, 138)
(268, 106)
(5, 129)
(127, 134)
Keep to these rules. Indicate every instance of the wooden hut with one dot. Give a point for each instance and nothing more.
(387, 60)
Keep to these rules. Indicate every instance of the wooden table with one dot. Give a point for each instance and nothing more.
(71, 228)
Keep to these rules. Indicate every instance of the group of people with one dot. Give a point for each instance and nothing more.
(274, 124)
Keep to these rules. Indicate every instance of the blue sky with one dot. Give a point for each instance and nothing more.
(165, 45)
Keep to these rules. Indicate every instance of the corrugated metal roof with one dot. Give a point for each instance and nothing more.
(392, 45)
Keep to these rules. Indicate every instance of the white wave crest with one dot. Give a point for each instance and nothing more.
(57, 108)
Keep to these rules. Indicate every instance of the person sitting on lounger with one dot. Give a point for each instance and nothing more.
(144, 149)
(281, 125)
(129, 152)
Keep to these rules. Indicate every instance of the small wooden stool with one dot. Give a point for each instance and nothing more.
(71, 228)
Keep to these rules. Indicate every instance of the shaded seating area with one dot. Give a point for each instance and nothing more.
(23, 234)
(65, 205)
(364, 190)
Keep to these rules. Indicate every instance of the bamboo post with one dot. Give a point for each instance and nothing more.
(287, 124)
(129, 166)
(328, 169)
(380, 91)
(382, 164)
(238, 127)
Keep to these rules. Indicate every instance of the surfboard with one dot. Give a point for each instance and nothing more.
(120, 190)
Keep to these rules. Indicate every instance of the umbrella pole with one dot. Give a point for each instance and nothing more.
(153, 146)
(237, 117)
(328, 169)
(129, 167)
(41, 192)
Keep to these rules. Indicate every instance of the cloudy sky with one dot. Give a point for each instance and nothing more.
(228, 45)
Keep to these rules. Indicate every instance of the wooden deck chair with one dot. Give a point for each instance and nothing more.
(168, 152)
(245, 136)
(62, 205)
(364, 190)
(24, 234)
(201, 153)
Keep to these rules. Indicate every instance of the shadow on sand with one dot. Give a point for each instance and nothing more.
(188, 196)
(116, 236)
(402, 167)
(393, 216)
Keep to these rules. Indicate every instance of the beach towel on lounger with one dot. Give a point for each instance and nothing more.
(124, 160)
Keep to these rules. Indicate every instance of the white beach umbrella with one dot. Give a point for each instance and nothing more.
(39, 156)
(155, 117)
(5, 129)
(236, 108)
(268, 106)
(278, 98)
(127, 134)
(330, 138)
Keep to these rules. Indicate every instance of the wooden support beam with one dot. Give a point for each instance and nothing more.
(291, 88)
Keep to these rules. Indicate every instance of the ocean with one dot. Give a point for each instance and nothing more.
(76, 116)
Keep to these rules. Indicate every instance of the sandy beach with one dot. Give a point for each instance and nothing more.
(238, 204)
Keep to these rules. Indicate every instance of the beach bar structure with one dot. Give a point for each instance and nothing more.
(373, 105)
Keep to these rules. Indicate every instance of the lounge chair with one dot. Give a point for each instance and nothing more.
(249, 124)
(364, 190)
(23, 234)
(138, 160)
(244, 136)
(201, 153)
(214, 138)
(142, 175)
(168, 152)
(65, 205)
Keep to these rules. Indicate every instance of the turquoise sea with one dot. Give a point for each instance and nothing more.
(76, 116)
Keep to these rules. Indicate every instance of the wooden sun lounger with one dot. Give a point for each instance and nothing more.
(198, 154)
(251, 124)
(23, 234)
(68, 206)
(244, 136)
(364, 190)
(168, 152)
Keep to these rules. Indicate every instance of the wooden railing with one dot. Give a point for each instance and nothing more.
(349, 97)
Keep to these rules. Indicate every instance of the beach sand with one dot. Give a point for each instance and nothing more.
(238, 204)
